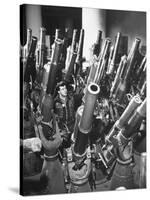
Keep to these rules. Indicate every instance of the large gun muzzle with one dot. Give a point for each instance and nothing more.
(123, 120)
(85, 123)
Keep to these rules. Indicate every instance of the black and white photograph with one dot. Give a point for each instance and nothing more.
(82, 100)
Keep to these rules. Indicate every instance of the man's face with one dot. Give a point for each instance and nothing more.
(63, 91)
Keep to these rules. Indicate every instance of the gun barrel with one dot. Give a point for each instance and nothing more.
(102, 61)
(29, 40)
(74, 40)
(118, 76)
(48, 46)
(30, 60)
(42, 38)
(71, 57)
(99, 36)
(135, 120)
(85, 123)
(57, 34)
(97, 45)
(42, 41)
(142, 66)
(142, 79)
(54, 66)
(80, 46)
(33, 46)
(92, 73)
(70, 67)
(112, 63)
(120, 123)
(110, 58)
(133, 104)
(131, 58)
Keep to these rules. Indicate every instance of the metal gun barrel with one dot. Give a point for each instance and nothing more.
(123, 120)
(112, 63)
(135, 120)
(117, 79)
(42, 41)
(74, 40)
(85, 123)
(131, 58)
(80, 46)
(97, 45)
(54, 66)
(102, 61)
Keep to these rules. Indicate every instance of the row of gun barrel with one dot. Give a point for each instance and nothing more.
(120, 75)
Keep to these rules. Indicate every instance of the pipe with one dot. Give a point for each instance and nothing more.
(54, 66)
(123, 120)
(85, 123)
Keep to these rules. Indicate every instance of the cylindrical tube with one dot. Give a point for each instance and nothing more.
(143, 89)
(48, 46)
(97, 45)
(78, 117)
(116, 46)
(70, 67)
(80, 46)
(74, 40)
(135, 120)
(42, 46)
(42, 37)
(110, 58)
(29, 66)
(33, 47)
(45, 75)
(28, 42)
(112, 63)
(133, 104)
(99, 36)
(142, 78)
(117, 79)
(142, 178)
(131, 58)
(102, 61)
(57, 34)
(57, 51)
(86, 120)
(85, 123)
(71, 57)
(123, 120)
(54, 66)
(139, 71)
